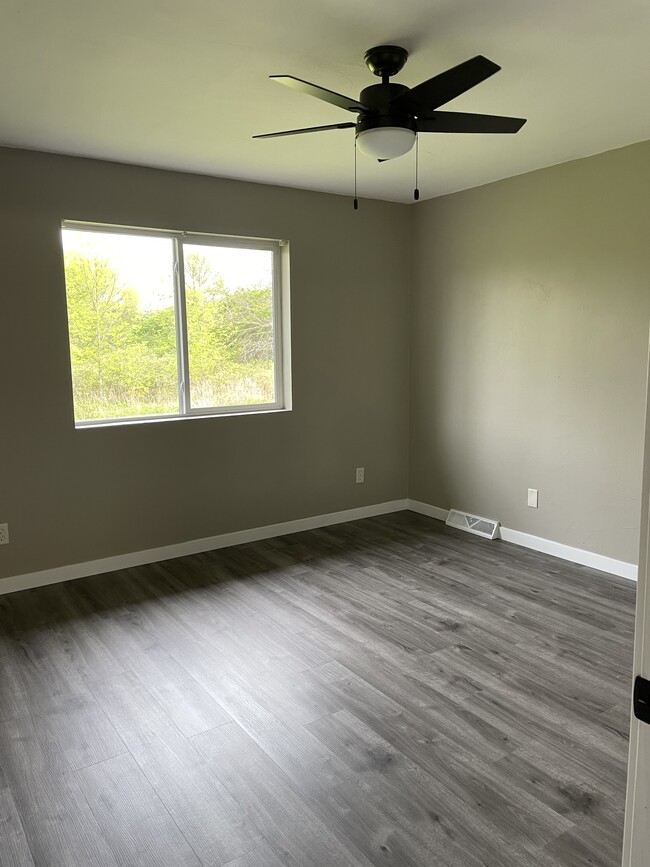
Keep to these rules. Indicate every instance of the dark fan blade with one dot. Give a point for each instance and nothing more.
(442, 88)
(456, 121)
(307, 129)
(337, 99)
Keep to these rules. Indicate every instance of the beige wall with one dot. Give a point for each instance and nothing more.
(74, 495)
(529, 349)
(530, 303)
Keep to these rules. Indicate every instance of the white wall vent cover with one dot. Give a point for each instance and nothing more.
(472, 523)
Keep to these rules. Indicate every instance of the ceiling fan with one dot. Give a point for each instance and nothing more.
(389, 116)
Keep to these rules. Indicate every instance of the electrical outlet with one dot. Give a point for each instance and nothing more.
(4, 534)
(533, 497)
(361, 475)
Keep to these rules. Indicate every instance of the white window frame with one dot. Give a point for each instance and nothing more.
(281, 321)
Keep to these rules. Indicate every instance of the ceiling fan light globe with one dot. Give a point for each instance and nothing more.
(386, 142)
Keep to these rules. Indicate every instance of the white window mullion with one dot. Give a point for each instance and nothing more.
(278, 360)
(181, 330)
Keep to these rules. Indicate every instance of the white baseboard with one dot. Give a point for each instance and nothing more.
(240, 537)
(546, 546)
(426, 509)
(567, 552)
(194, 546)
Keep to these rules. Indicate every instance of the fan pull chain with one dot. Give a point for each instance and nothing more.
(356, 201)
(416, 192)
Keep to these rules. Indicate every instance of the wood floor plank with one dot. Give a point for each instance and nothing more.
(186, 703)
(58, 824)
(589, 843)
(212, 822)
(83, 732)
(424, 724)
(65, 612)
(528, 722)
(14, 850)
(617, 719)
(262, 857)
(324, 783)
(564, 785)
(298, 835)
(381, 829)
(35, 675)
(462, 797)
(132, 818)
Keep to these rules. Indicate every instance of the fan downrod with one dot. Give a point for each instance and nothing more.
(385, 60)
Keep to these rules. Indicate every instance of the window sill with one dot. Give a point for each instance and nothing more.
(124, 422)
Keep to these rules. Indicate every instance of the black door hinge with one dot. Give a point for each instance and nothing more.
(642, 699)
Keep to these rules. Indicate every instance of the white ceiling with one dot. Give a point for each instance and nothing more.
(183, 85)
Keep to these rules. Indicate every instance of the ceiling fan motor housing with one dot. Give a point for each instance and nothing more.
(382, 130)
(378, 98)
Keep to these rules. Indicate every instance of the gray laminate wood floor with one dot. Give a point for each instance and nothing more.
(387, 692)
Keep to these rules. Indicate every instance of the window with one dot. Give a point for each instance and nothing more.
(169, 324)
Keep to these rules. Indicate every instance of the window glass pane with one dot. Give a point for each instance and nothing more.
(120, 294)
(229, 303)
